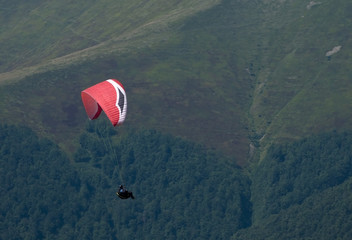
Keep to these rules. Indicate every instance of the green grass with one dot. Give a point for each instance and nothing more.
(223, 74)
(300, 91)
(35, 33)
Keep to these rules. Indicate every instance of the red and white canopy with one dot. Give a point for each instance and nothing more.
(109, 96)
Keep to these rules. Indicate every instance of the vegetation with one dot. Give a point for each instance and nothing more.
(302, 190)
(292, 172)
(181, 190)
(224, 74)
(40, 192)
(36, 32)
(251, 79)
(301, 91)
(194, 85)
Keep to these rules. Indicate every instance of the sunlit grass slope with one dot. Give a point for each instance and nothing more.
(34, 32)
(304, 83)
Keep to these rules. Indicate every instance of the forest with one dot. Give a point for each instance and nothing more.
(182, 190)
(301, 190)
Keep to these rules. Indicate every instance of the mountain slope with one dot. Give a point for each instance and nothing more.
(193, 81)
(41, 34)
(250, 79)
(45, 196)
(302, 190)
(303, 86)
(234, 75)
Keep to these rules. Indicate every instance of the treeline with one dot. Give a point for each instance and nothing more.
(182, 190)
(303, 190)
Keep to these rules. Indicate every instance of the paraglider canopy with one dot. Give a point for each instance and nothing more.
(108, 96)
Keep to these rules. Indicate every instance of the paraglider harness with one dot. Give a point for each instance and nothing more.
(123, 193)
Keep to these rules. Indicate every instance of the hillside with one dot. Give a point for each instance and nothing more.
(45, 196)
(234, 75)
(188, 94)
(303, 85)
(302, 190)
(211, 85)
(42, 33)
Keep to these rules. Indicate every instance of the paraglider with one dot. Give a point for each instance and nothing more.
(124, 194)
(108, 96)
